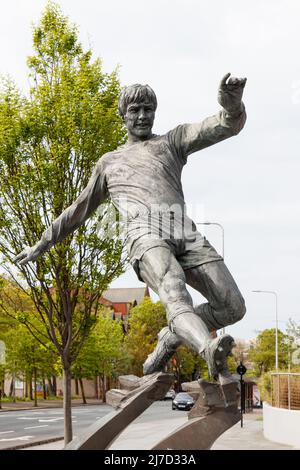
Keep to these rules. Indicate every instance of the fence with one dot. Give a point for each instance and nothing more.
(285, 390)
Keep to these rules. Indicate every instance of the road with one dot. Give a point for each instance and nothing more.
(18, 427)
(155, 423)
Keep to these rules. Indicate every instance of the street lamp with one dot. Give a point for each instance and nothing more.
(276, 321)
(223, 244)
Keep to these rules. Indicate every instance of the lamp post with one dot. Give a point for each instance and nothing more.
(276, 321)
(223, 243)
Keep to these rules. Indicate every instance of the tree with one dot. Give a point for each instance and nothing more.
(8, 309)
(49, 143)
(188, 365)
(262, 352)
(103, 354)
(145, 322)
(28, 358)
(293, 329)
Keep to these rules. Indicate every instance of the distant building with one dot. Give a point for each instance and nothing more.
(122, 300)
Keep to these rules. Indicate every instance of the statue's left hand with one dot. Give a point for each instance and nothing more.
(231, 92)
(28, 254)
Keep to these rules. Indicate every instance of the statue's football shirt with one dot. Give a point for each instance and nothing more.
(143, 180)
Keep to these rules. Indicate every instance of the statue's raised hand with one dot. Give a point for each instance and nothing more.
(28, 254)
(230, 92)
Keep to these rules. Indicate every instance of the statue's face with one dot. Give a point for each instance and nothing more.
(139, 120)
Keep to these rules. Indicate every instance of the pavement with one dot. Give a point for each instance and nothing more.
(42, 404)
(159, 420)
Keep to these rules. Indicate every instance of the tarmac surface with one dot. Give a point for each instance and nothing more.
(30, 427)
(159, 420)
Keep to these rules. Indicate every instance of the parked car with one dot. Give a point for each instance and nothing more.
(170, 395)
(182, 401)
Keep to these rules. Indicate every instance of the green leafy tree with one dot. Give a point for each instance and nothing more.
(27, 357)
(187, 366)
(10, 304)
(262, 352)
(103, 354)
(49, 143)
(145, 322)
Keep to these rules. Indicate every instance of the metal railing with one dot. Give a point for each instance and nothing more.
(285, 390)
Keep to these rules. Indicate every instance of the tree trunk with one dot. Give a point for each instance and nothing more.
(96, 387)
(3, 389)
(14, 388)
(50, 387)
(67, 404)
(107, 383)
(44, 390)
(54, 385)
(82, 391)
(104, 388)
(101, 388)
(76, 387)
(11, 388)
(26, 386)
(35, 387)
(30, 387)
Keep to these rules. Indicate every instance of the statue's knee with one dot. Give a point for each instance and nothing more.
(173, 286)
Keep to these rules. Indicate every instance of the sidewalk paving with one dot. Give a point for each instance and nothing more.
(42, 404)
(250, 437)
(144, 432)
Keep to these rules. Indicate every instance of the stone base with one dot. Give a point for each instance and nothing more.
(129, 404)
(215, 411)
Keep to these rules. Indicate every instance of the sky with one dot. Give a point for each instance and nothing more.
(250, 183)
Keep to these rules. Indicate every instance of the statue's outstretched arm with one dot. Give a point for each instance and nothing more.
(190, 138)
(70, 219)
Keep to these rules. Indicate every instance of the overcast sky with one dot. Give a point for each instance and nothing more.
(250, 183)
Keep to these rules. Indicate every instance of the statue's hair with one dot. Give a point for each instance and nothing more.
(135, 94)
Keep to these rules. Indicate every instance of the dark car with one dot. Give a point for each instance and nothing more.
(182, 401)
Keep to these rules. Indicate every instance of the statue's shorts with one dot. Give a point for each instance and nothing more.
(189, 252)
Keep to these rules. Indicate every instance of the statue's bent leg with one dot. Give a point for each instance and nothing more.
(162, 272)
(225, 304)
(166, 346)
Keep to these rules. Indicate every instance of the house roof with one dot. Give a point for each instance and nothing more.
(126, 294)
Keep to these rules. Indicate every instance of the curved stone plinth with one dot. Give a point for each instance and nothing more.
(214, 412)
(129, 405)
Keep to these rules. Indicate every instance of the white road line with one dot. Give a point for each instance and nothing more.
(49, 420)
(27, 417)
(6, 432)
(41, 426)
(23, 438)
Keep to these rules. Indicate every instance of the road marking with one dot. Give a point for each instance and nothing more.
(41, 426)
(26, 417)
(23, 438)
(6, 432)
(49, 420)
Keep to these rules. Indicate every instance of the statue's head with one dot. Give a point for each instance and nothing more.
(137, 105)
